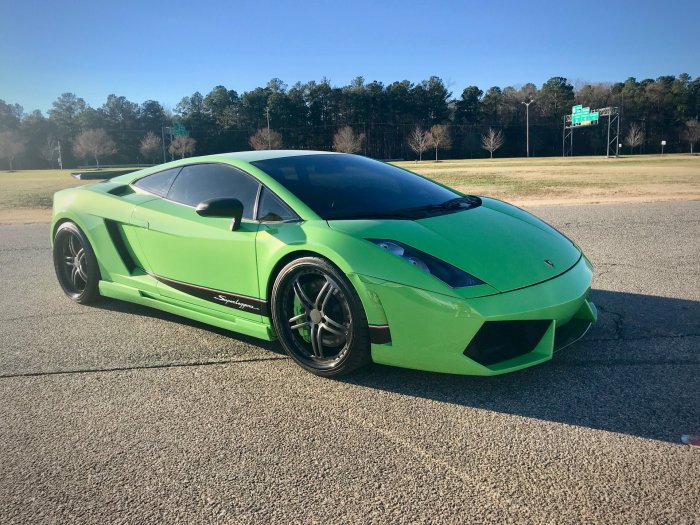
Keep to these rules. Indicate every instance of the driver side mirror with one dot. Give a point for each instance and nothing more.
(222, 207)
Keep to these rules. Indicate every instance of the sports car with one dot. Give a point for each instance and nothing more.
(343, 259)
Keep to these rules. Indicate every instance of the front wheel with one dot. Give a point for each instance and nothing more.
(319, 318)
(75, 264)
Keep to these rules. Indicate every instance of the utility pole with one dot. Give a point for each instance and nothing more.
(267, 112)
(527, 125)
(162, 141)
(60, 158)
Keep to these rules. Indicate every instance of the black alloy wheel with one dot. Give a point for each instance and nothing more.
(75, 264)
(319, 318)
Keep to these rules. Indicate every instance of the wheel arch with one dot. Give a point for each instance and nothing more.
(373, 310)
(286, 259)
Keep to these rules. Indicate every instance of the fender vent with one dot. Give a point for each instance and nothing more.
(121, 191)
(115, 233)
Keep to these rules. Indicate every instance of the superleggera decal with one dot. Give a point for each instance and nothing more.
(235, 301)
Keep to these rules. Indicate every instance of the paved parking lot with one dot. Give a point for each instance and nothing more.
(116, 413)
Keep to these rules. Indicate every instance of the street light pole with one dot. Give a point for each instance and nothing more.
(267, 112)
(527, 125)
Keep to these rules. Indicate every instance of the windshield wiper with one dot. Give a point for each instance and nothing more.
(401, 214)
(465, 203)
(411, 214)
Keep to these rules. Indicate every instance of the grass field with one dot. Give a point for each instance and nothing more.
(559, 180)
(25, 196)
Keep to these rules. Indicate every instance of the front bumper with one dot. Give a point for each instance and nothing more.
(433, 332)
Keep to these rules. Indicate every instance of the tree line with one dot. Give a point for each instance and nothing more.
(400, 120)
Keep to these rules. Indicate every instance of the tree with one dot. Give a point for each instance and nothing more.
(634, 137)
(95, 143)
(150, 146)
(347, 141)
(439, 138)
(492, 140)
(419, 141)
(182, 145)
(49, 149)
(266, 139)
(65, 112)
(692, 132)
(467, 107)
(11, 145)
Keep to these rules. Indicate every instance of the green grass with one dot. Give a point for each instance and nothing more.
(33, 188)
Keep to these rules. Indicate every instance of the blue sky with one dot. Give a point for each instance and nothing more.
(166, 50)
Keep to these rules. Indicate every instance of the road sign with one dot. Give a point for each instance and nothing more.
(581, 116)
(179, 130)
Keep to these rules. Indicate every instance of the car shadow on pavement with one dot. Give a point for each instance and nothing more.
(115, 305)
(636, 372)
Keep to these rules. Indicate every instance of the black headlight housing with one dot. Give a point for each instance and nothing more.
(448, 274)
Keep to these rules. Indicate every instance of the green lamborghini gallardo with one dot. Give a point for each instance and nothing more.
(344, 259)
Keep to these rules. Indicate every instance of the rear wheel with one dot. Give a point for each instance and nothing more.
(75, 264)
(319, 318)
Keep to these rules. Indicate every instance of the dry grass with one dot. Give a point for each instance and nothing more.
(25, 196)
(571, 180)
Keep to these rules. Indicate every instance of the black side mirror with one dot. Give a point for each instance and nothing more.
(222, 207)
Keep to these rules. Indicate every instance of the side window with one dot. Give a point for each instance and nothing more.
(271, 208)
(201, 182)
(158, 183)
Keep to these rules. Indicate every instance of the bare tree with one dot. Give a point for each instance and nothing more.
(266, 139)
(150, 146)
(182, 145)
(492, 140)
(347, 141)
(419, 141)
(94, 143)
(11, 145)
(692, 133)
(49, 149)
(634, 137)
(439, 138)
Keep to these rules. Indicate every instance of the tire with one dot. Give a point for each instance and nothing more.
(75, 264)
(319, 318)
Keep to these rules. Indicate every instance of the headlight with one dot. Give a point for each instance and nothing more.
(448, 274)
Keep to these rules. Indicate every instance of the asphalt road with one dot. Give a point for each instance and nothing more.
(120, 414)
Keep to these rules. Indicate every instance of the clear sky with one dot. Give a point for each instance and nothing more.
(153, 49)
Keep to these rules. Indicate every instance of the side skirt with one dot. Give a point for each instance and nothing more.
(173, 306)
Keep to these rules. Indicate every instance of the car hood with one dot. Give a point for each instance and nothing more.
(500, 244)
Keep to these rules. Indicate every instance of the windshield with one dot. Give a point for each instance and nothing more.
(350, 186)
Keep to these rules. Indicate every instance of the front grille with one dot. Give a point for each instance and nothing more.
(498, 341)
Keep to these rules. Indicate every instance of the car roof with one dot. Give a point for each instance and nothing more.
(253, 156)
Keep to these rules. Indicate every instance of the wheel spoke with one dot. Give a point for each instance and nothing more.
(71, 245)
(69, 260)
(323, 295)
(295, 325)
(329, 328)
(301, 295)
(335, 324)
(79, 265)
(74, 276)
(297, 317)
(317, 340)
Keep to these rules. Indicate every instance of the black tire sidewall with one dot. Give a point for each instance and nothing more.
(91, 291)
(358, 354)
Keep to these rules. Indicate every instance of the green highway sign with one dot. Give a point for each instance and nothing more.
(178, 130)
(581, 116)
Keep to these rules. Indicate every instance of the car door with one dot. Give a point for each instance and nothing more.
(199, 259)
